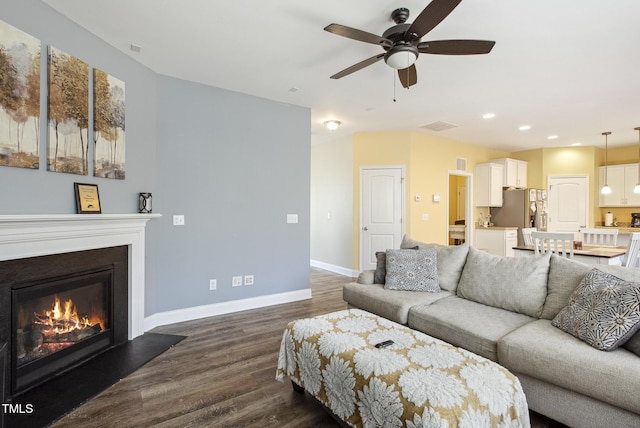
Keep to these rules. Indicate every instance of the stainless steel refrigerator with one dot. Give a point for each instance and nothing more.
(521, 208)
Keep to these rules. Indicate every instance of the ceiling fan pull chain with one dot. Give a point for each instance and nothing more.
(394, 87)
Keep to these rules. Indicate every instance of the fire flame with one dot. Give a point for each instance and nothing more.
(63, 318)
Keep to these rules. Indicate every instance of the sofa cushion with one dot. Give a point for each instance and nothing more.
(451, 260)
(633, 344)
(412, 270)
(390, 304)
(517, 284)
(603, 311)
(544, 352)
(467, 324)
(564, 276)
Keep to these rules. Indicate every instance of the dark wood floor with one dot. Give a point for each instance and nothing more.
(222, 374)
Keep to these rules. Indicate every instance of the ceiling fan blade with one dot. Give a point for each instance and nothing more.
(358, 66)
(430, 16)
(356, 34)
(408, 76)
(456, 47)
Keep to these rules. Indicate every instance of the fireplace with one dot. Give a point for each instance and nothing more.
(65, 309)
(58, 323)
(95, 257)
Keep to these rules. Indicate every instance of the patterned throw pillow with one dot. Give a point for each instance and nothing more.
(381, 266)
(412, 270)
(603, 311)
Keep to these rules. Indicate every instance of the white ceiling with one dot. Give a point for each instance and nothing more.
(565, 67)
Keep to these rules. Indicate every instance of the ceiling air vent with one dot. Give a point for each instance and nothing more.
(439, 126)
(461, 164)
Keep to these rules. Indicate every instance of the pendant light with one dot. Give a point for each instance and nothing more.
(637, 188)
(606, 190)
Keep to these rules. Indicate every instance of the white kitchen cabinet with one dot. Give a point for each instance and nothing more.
(621, 179)
(488, 185)
(515, 172)
(497, 240)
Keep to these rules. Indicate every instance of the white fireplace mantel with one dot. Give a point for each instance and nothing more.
(23, 236)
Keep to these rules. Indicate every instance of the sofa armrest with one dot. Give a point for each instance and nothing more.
(366, 277)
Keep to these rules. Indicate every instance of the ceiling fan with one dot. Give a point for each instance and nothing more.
(402, 43)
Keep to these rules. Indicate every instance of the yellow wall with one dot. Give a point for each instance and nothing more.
(427, 160)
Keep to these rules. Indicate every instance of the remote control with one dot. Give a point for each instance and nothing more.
(384, 344)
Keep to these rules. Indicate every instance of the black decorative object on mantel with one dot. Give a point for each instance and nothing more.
(144, 203)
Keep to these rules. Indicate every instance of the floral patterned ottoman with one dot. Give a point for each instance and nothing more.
(418, 381)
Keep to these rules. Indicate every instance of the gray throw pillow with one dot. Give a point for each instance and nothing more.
(412, 270)
(381, 267)
(603, 311)
(451, 260)
(517, 284)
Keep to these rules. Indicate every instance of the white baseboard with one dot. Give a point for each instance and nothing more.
(204, 311)
(335, 269)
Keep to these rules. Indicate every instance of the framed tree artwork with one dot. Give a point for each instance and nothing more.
(68, 113)
(108, 125)
(19, 98)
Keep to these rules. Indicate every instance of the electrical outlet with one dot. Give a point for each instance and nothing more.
(178, 220)
(248, 280)
(213, 284)
(236, 281)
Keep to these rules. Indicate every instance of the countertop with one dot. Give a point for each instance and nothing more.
(500, 228)
(589, 250)
(620, 229)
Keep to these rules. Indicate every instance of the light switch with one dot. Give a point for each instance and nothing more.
(292, 218)
(178, 220)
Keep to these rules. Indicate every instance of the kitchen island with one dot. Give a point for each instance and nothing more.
(590, 254)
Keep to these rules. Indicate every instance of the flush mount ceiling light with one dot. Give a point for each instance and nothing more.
(525, 128)
(332, 125)
(401, 56)
(637, 188)
(488, 116)
(606, 190)
(552, 137)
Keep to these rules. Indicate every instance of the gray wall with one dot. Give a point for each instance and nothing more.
(233, 164)
(332, 192)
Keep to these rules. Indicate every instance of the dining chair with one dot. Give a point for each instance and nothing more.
(526, 235)
(599, 236)
(556, 242)
(633, 248)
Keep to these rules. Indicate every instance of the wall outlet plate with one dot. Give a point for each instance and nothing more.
(213, 284)
(236, 281)
(248, 280)
(178, 220)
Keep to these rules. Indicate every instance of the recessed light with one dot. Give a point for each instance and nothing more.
(135, 47)
(524, 128)
(576, 144)
(488, 115)
(552, 137)
(294, 89)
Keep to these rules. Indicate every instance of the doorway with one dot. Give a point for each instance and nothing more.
(568, 202)
(459, 209)
(381, 212)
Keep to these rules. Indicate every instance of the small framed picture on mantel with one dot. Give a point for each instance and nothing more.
(87, 198)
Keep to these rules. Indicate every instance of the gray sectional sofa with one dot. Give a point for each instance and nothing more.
(515, 311)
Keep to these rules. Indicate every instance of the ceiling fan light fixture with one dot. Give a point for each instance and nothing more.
(401, 56)
(332, 125)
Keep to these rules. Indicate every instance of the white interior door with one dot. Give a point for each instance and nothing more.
(568, 203)
(381, 212)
